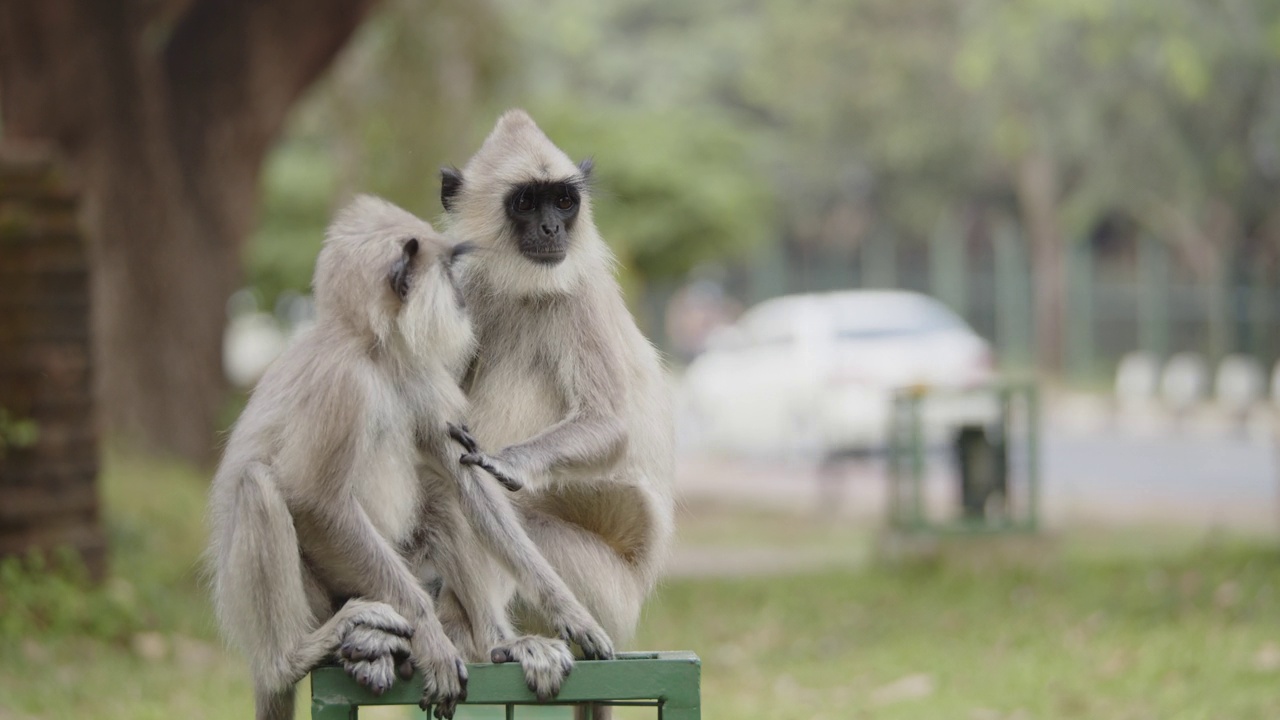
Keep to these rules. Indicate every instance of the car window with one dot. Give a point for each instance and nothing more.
(870, 318)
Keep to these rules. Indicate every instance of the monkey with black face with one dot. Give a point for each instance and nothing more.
(341, 481)
(562, 381)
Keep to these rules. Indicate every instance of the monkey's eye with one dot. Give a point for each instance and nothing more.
(565, 202)
(524, 203)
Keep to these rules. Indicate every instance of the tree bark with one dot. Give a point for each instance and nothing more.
(165, 113)
(48, 438)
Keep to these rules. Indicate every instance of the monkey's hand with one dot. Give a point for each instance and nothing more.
(546, 662)
(444, 675)
(502, 471)
(461, 434)
(374, 645)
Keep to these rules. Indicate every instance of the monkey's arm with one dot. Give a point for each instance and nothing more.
(498, 527)
(592, 434)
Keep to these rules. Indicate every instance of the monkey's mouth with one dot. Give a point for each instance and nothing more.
(545, 257)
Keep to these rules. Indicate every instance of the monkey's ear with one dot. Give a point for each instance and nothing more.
(450, 184)
(398, 276)
(586, 166)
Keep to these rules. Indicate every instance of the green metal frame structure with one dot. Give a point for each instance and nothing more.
(668, 681)
(907, 462)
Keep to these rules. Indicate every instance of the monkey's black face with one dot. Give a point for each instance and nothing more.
(542, 215)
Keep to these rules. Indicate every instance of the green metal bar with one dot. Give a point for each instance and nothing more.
(331, 707)
(917, 459)
(1080, 345)
(1260, 313)
(670, 677)
(1153, 297)
(511, 711)
(1033, 455)
(907, 460)
(895, 461)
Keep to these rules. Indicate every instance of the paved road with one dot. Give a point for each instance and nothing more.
(1094, 472)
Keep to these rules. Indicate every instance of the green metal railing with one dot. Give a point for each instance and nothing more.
(1018, 419)
(667, 681)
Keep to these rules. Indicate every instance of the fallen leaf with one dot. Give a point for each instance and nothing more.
(1267, 658)
(911, 687)
(150, 646)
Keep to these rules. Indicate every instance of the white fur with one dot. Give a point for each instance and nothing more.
(566, 385)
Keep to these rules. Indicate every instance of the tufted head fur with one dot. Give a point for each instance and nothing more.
(478, 208)
(386, 277)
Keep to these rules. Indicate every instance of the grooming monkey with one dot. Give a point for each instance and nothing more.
(563, 381)
(341, 482)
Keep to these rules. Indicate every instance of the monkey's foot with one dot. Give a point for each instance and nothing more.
(589, 636)
(546, 662)
(374, 644)
(444, 684)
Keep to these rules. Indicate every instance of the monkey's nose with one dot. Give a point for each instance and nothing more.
(551, 230)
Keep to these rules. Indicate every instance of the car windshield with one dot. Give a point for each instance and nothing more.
(871, 318)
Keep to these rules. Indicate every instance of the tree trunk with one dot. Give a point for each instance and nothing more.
(165, 111)
(1037, 190)
(48, 438)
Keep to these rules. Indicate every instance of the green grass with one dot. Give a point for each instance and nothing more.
(1118, 625)
(1190, 636)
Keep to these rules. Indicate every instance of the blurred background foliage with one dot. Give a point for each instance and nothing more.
(746, 133)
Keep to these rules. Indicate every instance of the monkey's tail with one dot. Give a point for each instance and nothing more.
(259, 593)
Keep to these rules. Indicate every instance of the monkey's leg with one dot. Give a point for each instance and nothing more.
(473, 603)
(261, 597)
(599, 576)
(368, 558)
(498, 525)
(594, 572)
(371, 640)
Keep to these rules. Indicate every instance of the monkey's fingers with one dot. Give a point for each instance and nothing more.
(444, 685)
(488, 465)
(546, 662)
(381, 616)
(377, 674)
(595, 644)
(365, 643)
(461, 435)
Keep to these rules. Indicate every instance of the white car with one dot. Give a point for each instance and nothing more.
(815, 374)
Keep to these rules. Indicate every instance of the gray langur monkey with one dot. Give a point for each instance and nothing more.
(562, 381)
(341, 484)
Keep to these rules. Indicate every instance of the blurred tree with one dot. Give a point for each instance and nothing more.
(674, 190)
(681, 178)
(1166, 110)
(165, 109)
(412, 91)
